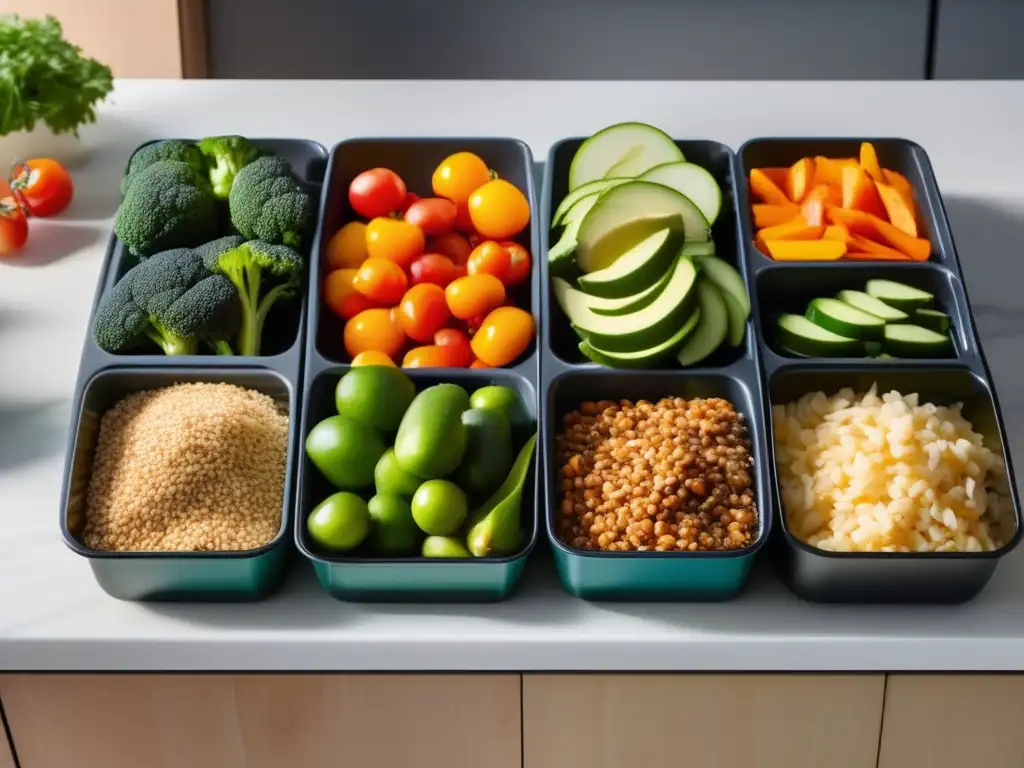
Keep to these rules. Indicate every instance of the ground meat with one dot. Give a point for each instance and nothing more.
(675, 475)
(188, 468)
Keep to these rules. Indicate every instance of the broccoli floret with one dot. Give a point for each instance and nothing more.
(225, 157)
(167, 206)
(182, 151)
(173, 300)
(268, 203)
(253, 267)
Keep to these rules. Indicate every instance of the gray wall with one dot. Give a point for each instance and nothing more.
(980, 39)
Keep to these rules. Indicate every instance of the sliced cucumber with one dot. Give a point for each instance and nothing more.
(696, 248)
(932, 319)
(799, 336)
(628, 304)
(737, 320)
(645, 328)
(644, 358)
(714, 323)
(691, 180)
(580, 209)
(728, 280)
(590, 188)
(903, 297)
(845, 320)
(873, 348)
(904, 340)
(626, 149)
(626, 214)
(563, 250)
(871, 305)
(637, 269)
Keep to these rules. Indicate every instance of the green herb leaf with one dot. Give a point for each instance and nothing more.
(44, 77)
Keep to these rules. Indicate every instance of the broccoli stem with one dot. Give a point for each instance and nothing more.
(222, 347)
(252, 327)
(170, 343)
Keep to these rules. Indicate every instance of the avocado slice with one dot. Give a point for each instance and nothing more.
(637, 269)
(644, 358)
(714, 325)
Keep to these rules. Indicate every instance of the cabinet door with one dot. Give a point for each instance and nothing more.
(668, 721)
(6, 759)
(952, 721)
(978, 39)
(299, 721)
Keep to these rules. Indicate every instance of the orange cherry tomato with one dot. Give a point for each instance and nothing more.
(376, 330)
(450, 244)
(499, 210)
(433, 215)
(458, 342)
(504, 336)
(433, 268)
(479, 364)
(431, 356)
(347, 248)
(394, 239)
(423, 312)
(459, 175)
(471, 295)
(519, 271)
(490, 258)
(372, 357)
(341, 296)
(43, 186)
(381, 280)
(13, 227)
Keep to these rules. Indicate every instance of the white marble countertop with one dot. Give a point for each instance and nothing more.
(53, 616)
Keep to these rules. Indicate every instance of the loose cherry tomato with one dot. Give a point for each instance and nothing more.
(423, 312)
(490, 258)
(43, 186)
(458, 342)
(431, 357)
(372, 357)
(450, 244)
(341, 296)
(434, 215)
(376, 330)
(376, 192)
(347, 248)
(471, 295)
(433, 268)
(463, 222)
(394, 239)
(410, 198)
(504, 336)
(13, 227)
(499, 210)
(479, 364)
(473, 324)
(459, 175)
(519, 272)
(381, 280)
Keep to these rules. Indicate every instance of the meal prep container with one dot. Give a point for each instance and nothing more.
(105, 378)
(867, 577)
(358, 577)
(567, 379)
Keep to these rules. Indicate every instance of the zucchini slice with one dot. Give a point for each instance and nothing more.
(839, 317)
(799, 336)
(626, 149)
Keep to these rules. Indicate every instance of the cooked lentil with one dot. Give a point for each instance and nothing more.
(188, 468)
(668, 476)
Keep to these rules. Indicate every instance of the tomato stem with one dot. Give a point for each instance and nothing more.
(17, 181)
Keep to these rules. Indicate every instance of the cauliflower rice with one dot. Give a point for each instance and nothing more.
(870, 473)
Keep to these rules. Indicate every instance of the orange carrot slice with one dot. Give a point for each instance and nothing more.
(770, 215)
(777, 175)
(861, 244)
(797, 229)
(902, 185)
(801, 174)
(880, 231)
(900, 214)
(830, 171)
(837, 232)
(859, 193)
(766, 190)
(869, 161)
(803, 250)
(873, 256)
(813, 206)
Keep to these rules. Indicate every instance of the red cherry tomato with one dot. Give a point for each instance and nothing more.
(13, 227)
(431, 357)
(423, 312)
(410, 198)
(433, 268)
(458, 342)
(450, 244)
(463, 222)
(519, 271)
(490, 258)
(43, 186)
(376, 192)
(434, 215)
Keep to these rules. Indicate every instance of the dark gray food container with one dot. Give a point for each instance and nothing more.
(567, 379)
(104, 378)
(864, 577)
(361, 577)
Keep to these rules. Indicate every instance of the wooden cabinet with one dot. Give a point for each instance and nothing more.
(657, 721)
(953, 721)
(6, 759)
(264, 721)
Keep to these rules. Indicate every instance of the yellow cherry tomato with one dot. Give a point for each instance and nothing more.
(347, 249)
(473, 295)
(374, 329)
(372, 357)
(504, 335)
(459, 175)
(499, 210)
(394, 240)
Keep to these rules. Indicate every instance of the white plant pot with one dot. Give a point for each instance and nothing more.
(39, 142)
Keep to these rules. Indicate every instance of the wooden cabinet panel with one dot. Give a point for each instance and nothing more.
(6, 759)
(952, 721)
(220, 721)
(761, 721)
